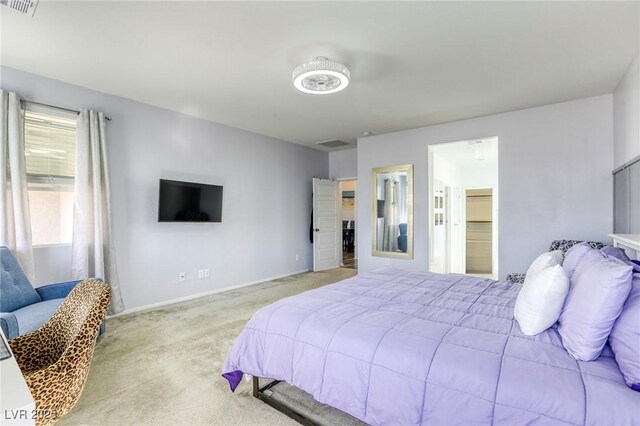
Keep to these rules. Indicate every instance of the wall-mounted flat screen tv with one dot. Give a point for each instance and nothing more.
(189, 202)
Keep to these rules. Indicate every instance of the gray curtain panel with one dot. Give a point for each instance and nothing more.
(15, 221)
(93, 254)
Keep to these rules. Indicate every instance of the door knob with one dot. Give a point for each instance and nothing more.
(317, 229)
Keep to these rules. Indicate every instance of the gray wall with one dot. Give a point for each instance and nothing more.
(343, 164)
(555, 178)
(626, 115)
(267, 196)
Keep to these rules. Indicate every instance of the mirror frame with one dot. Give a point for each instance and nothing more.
(408, 168)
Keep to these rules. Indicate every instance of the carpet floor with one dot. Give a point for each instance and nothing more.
(162, 366)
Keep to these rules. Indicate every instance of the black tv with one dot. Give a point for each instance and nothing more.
(189, 202)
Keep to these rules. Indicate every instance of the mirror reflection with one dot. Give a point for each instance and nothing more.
(393, 211)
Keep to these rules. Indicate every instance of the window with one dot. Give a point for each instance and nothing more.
(50, 150)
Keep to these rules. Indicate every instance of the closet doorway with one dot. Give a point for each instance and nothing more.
(463, 207)
(348, 190)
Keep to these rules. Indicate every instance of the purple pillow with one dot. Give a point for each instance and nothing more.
(573, 256)
(625, 337)
(619, 253)
(598, 290)
(616, 252)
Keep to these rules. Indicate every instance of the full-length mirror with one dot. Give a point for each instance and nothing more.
(392, 211)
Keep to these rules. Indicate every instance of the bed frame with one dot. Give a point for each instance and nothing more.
(260, 393)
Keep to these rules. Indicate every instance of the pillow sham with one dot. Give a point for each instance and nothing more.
(619, 253)
(598, 290)
(616, 252)
(573, 257)
(625, 337)
(550, 258)
(541, 298)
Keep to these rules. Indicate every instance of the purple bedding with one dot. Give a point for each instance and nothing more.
(398, 347)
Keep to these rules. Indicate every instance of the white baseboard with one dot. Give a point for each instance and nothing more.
(207, 293)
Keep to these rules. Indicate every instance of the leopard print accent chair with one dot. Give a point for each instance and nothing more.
(55, 359)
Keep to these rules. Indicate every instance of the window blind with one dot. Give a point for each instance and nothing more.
(50, 146)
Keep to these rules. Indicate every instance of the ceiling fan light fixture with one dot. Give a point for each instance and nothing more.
(321, 76)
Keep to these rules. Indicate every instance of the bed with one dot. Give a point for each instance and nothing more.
(394, 347)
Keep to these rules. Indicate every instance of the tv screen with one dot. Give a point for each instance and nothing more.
(189, 202)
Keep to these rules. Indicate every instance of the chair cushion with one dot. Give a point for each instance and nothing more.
(402, 243)
(15, 289)
(32, 317)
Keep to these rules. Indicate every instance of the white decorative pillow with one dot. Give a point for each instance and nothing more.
(541, 298)
(545, 260)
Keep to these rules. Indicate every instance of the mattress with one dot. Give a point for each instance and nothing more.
(398, 347)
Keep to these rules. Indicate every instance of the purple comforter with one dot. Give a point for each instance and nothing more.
(407, 348)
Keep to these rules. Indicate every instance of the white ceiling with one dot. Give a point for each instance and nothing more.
(412, 63)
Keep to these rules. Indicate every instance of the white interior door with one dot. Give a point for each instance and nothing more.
(326, 225)
(447, 230)
(439, 234)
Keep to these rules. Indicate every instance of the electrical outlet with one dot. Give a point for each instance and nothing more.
(297, 257)
(201, 273)
(182, 276)
(207, 273)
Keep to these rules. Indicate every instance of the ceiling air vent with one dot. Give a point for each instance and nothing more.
(335, 143)
(27, 7)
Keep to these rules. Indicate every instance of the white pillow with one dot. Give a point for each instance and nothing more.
(545, 260)
(541, 298)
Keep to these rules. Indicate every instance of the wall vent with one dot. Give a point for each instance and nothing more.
(27, 7)
(335, 143)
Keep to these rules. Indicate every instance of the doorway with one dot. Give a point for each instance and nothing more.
(463, 207)
(348, 189)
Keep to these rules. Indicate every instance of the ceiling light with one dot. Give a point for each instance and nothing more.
(366, 133)
(321, 76)
(478, 154)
